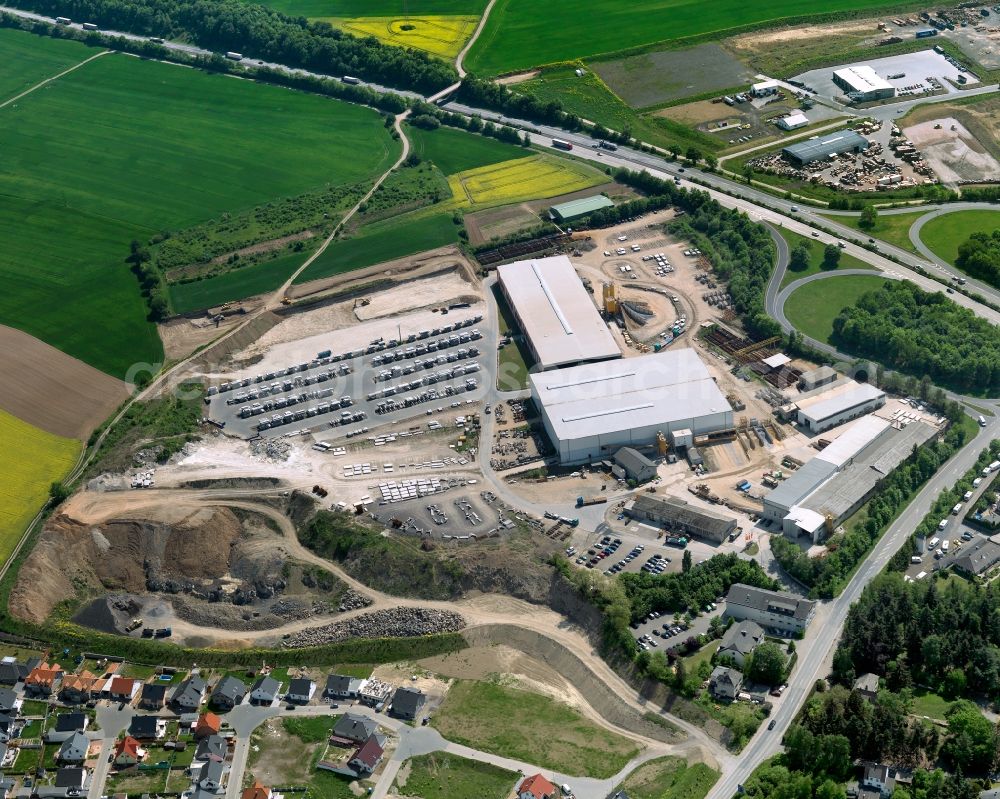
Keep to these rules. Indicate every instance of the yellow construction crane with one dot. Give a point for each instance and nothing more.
(611, 299)
(740, 354)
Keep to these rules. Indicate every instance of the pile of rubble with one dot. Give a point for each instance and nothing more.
(352, 600)
(390, 623)
(271, 449)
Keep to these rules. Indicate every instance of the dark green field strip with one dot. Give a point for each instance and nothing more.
(158, 145)
(526, 33)
(65, 282)
(236, 285)
(452, 150)
(375, 8)
(30, 59)
(383, 241)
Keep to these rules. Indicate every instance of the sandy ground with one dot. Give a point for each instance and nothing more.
(519, 77)
(52, 390)
(417, 294)
(767, 38)
(956, 156)
(183, 336)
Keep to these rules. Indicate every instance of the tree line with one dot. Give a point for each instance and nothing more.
(825, 576)
(922, 333)
(263, 33)
(979, 257)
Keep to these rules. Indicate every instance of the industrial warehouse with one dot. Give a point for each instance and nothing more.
(679, 516)
(591, 410)
(561, 323)
(829, 488)
(822, 147)
(831, 408)
(862, 85)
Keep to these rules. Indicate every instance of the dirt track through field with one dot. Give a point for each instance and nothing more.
(49, 80)
(52, 390)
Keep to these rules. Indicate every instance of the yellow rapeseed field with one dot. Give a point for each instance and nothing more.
(442, 36)
(532, 178)
(32, 460)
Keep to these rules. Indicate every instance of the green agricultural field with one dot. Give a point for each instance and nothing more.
(944, 233)
(590, 98)
(527, 726)
(123, 148)
(375, 8)
(37, 58)
(452, 150)
(527, 33)
(813, 307)
(384, 241)
(816, 264)
(890, 228)
(236, 285)
(443, 776)
(669, 778)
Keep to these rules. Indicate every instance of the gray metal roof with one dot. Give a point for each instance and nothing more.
(632, 460)
(822, 409)
(742, 637)
(556, 311)
(824, 146)
(763, 600)
(802, 482)
(595, 399)
(819, 373)
(581, 207)
(685, 513)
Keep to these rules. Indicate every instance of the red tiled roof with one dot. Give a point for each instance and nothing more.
(43, 674)
(122, 686)
(537, 786)
(208, 723)
(256, 791)
(129, 746)
(369, 753)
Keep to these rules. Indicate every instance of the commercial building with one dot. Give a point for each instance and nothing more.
(862, 85)
(821, 147)
(831, 487)
(816, 378)
(635, 465)
(775, 611)
(764, 89)
(978, 557)
(590, 411)
(838, 406)
(560, 321)
(793, 121)
(574, 209)
(678, 516)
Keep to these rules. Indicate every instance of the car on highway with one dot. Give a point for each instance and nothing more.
(770, 725)
(794, 209)
(815, 234)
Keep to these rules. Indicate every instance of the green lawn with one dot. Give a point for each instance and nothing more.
(443, 776)
(314, 729)
(452, 150)
(32, 707)
(138, 671)
(37, 58)
(527, 33)
(890, 228)
(813, 307)
(590, 98)
(360, 670)
(816, 258)
(703, 655)
(513, 360)
(944, 233)
(122, 148)
(669, 778)
(927, 703)
(375, 8)
(526, 726)
(384, 241)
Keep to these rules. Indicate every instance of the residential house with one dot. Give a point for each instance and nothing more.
(66, 725)
(407, 702)
(374, 692)
(259, 791)
(124, 689)
(188, 695)
(42, 679)
(353, 727)
(146, 728)
(199, 793)
(536, 787)
(128, 752)
(867, 686)
(12, 671)
(725, 683)
(208, 724)
(367, 756)
(340, 686)
(877, 777)
(300, 690)
(740, 640)
(10, 702)
(153, 696)
(10, 727)
(212, 747)
(210, 778)
(77, 688)
(229, 693)
(74, 749)
(73, 779)
(265, 691)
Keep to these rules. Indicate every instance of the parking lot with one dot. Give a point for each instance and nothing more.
(387, 380)
(448, 510)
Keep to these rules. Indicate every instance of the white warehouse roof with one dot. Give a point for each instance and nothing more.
(556, 312)
(862, 79)
(854, 439)
(823, 407)
(597, 399)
